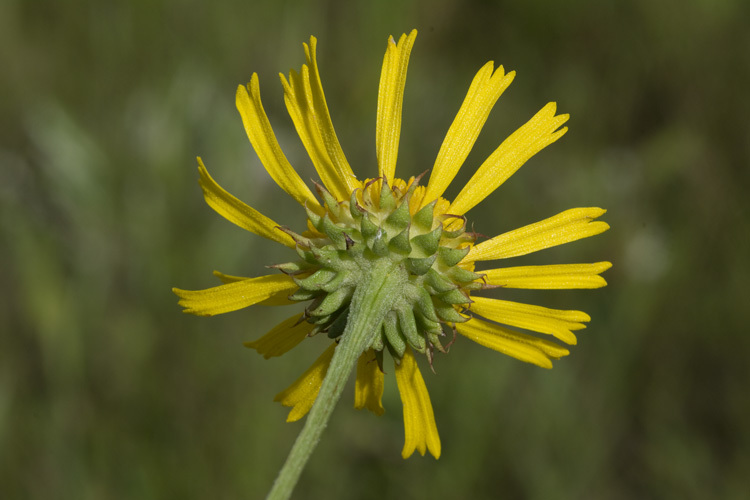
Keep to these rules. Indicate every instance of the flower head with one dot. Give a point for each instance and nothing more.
(353, 226)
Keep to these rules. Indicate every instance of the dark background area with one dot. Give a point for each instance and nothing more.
(108, 391)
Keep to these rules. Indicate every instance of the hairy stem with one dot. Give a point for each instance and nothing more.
(372, 300)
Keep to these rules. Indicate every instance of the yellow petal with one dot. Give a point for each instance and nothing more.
(238, 212)
(302, 393)
(306, 103)
(282, 338)
(551, 277)
(419, 421)
(368, 389)
(564, 227)
(535, 318)
(277, 299)
(517, 345)
(535, 135)
(264, 142)
(297, 102)
(233, 296)
(390, 100)
(324, 120)
(484, 91)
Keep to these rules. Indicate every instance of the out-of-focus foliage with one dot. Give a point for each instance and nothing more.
(108, 391)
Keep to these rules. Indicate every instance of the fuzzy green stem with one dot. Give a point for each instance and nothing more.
(372, 300)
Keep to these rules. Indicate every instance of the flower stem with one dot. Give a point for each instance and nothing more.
(372, 300)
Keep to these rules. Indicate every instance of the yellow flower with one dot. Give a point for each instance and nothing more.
(412, 227)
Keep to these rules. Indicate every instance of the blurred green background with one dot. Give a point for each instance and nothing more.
(108, 391)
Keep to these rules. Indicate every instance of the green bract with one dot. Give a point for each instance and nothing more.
(346, 238)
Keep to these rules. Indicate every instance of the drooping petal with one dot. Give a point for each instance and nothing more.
(567, 226)
(550, 277)
(302, 393)
(368, 389)
(483, 93)
(261, 136)
(238, 212)
(280, 298)
(535, 135)
(390, 100)
(233, 296)
(517, 345)
(419, 421)
(282, 338)
(555, 322)
(306, 103)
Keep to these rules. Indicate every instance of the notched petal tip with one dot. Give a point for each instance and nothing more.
(486, 71)
(588, 212)
(185, 301)
(546, 364)
(248, 91)
(556, 135)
